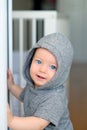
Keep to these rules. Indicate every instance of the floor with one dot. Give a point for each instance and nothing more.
(78, 96)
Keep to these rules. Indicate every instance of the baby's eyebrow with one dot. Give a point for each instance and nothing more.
(38, 58)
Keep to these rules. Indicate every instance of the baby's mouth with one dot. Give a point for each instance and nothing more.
(40, 77)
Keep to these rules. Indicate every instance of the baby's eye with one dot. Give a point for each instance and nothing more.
(38, 61)
(53, 67)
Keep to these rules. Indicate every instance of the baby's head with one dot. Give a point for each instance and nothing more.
(43, 67)
(57, 53)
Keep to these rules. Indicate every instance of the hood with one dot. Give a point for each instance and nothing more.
(62, 49)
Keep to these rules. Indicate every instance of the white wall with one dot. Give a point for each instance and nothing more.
(77, 11)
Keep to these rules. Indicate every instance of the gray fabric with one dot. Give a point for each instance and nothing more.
(49, 101)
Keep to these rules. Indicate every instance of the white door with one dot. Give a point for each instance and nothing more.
(4, 39)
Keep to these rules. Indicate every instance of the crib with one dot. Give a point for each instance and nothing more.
(28, 28)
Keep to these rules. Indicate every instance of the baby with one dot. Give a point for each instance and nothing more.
(46, 69)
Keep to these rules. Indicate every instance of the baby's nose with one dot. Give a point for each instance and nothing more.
(43, 68)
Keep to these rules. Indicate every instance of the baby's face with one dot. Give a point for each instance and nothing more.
(43, 67)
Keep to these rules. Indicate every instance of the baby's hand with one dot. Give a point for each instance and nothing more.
(10, 80)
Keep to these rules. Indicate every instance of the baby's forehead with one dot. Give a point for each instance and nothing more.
(45, 54)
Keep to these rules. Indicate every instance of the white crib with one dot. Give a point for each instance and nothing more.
(28, 27)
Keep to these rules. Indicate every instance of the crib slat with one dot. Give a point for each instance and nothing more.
(34, 14)
(33, 31)
(21, 39)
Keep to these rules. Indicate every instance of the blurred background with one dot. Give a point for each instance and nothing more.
(75, 12)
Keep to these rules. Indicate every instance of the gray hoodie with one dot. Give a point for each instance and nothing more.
(49, 101)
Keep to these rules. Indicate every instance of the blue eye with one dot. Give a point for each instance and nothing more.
(53, 67)
(38, 61)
